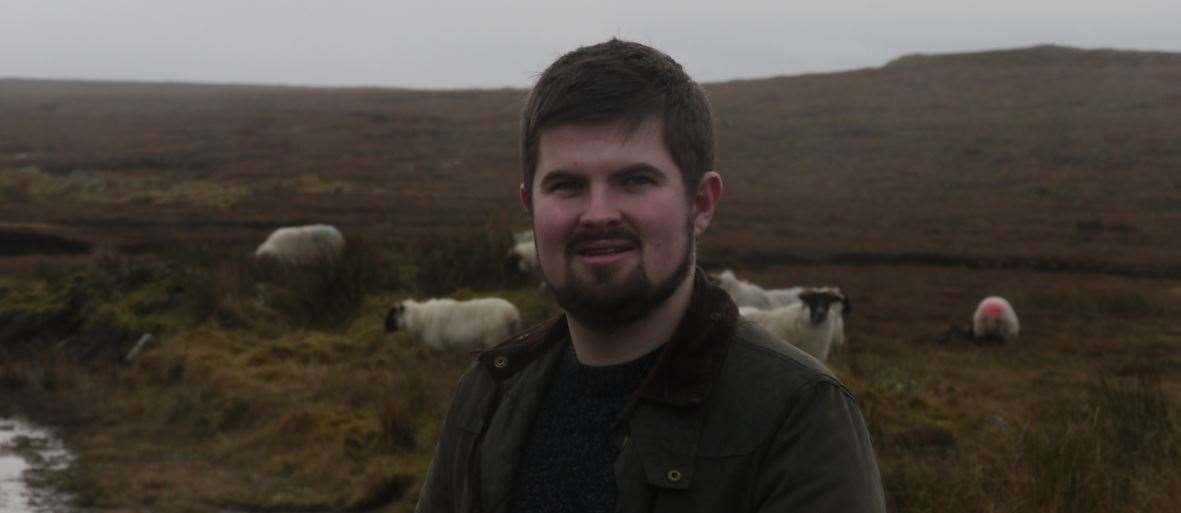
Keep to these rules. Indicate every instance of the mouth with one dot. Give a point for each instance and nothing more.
(604, 251)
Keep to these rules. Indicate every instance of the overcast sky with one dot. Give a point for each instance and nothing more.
(483, 43)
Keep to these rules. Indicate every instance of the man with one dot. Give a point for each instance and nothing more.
(649, 393)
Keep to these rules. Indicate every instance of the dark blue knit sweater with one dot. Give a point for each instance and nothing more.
(567, 465)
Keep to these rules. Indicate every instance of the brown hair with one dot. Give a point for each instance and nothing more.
(622, 81)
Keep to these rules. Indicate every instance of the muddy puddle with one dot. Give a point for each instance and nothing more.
(26, 450)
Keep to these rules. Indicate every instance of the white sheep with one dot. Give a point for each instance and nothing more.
(748, 294)
(447, 323)
(815, 323)
(995, 320)
(300, 245)
(522, 257)
(523, 236)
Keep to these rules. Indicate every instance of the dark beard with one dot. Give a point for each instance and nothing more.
(607, 311)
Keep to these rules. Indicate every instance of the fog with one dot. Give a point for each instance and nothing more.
(468, 43)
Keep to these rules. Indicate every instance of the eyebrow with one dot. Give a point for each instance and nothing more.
(559, 174)
(640, 167)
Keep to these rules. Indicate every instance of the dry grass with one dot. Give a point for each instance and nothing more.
(260, 411)
(266, 390)
(1047, 176)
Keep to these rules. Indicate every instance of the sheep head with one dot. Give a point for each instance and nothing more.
(819, 302)
(393, 317)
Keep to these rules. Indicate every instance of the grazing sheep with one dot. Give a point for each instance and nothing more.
(746, 293)
(784, 297)
(522, 258)
(815, 324)
(995, 320)
(447, 323)
(298, 245)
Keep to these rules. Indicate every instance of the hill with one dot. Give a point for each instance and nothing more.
(1045, 156)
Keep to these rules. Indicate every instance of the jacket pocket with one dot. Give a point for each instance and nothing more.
(679, 481)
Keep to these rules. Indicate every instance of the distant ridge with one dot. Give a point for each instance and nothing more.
(1040, 55)
(1028, 157)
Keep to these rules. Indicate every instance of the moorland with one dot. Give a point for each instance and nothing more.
(1048, 175)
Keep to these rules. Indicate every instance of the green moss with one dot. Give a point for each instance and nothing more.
(147, 309)
(36, 304)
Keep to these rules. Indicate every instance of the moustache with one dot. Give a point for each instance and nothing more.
(583, 238)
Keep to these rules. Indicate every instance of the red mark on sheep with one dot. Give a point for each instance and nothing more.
(993, 308)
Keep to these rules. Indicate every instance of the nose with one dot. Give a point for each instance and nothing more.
(819, 312)
(601, 210)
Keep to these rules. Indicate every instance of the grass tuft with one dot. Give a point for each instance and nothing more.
(327, 293)
(476, 258)
(1096, 454)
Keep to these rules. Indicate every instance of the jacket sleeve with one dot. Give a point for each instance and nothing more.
(821, 460)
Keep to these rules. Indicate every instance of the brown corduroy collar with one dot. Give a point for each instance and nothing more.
(690, 363)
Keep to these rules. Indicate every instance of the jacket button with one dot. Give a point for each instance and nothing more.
(674, 475)
(715, 316)
(500, 362)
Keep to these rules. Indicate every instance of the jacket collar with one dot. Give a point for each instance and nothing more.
(691, 361)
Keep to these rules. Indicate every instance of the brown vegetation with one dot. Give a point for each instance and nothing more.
(1045, 175)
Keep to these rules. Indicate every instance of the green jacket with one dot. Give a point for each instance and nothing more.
(729, 420)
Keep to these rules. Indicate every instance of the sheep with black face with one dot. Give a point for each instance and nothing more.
(446, 323)
(815, 324)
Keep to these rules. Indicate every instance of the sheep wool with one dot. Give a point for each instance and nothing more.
(522, 257)
(446, 323)
(995, 319)
(815, 324)
(299, 245)
(745, 293)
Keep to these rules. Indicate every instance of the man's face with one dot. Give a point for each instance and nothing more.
(614, 229)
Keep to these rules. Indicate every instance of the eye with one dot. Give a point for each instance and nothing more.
(636, 180)
(563, 186)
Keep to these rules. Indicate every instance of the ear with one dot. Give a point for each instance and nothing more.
(705, 200)
(526, 198)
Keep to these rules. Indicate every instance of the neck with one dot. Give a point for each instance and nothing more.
(629, 342)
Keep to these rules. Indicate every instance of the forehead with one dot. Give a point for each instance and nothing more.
(604, 147)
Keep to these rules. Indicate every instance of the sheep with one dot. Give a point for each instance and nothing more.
(522, 258)
(447, 323)
(746, 293)
(815, 323)
(995, 320)
(523, 236)
(300, 245)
